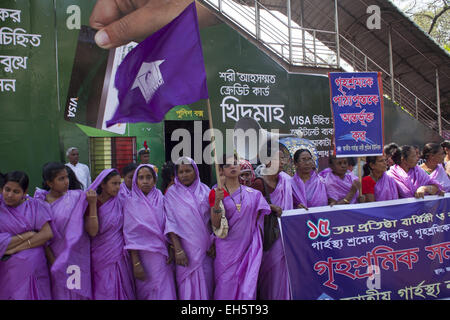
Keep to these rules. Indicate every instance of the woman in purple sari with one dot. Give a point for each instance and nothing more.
(187, 225)
(433, 154)
(68, 252)
(411, 180)
(239, 255)
(144, 223)
(308, 188)
(112, 277)
(273, 280)
(342, 185)
(376, 184)
(24, 230)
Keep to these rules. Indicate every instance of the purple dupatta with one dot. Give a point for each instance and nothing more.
(144, 223)
(338, 188)
(441, 176)
(408, 183)
(386, 188)
(188, 214)
(70, 245)
(311, 194)
(112, 277)
(25, 275)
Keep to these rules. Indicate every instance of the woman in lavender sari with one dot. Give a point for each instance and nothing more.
(68, 252)
(433, 154)
(308, 188)
(239, 255)
(273, 280)
(342, 185)
(376, 184)
(24, 230)
(112, 277)
(411, 180)
(188, 226)
(144, 237)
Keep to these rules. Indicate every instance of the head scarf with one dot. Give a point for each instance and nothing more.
(246, 166)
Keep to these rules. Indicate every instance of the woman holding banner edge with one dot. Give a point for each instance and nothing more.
(342, 186)
(376, 184)
(411, 180)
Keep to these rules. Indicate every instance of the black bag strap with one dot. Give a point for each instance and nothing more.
(266, 192)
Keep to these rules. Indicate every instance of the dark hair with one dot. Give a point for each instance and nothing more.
(18, 176)
(167, 173)
(129, 168)
(351, 161)
(106, 179)
(225, 157)
(390, 148)
(401, 153)
(369, 160)
(299, 152)
(445, 144)
(430, 149)
(2, 180)
(49, 172)
(74, 184)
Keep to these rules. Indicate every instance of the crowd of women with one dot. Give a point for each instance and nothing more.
(128, 240)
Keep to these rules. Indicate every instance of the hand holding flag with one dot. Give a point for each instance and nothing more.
(163, 71)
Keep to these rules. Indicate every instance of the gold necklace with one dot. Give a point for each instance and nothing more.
(238, 205)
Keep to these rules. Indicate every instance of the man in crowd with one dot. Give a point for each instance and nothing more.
(81, 170)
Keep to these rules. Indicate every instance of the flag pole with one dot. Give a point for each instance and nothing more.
(359, 176)
(213, 140)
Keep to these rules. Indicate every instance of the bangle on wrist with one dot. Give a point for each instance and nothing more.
(346, 201)
(20, 237)
(137, 263)
(29, 242)
(179, 252)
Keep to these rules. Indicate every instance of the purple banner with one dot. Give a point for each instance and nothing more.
(390, 250)
(357, 108)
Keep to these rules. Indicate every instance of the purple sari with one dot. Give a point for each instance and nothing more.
(338, 188)
(112, 277)
(311, 194)
(239, 255)
(25, 275)
(124, 192)
(70, 245)
(408, 183)
(188, 214)
(386, 188)
(144, 222)
(273, 276)
(5, 239)
(441, 176)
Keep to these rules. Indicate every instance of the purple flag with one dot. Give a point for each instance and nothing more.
(163, 71)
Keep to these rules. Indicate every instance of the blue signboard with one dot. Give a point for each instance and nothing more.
(390, 250)
(357, 108)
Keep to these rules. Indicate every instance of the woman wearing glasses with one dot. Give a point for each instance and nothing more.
(308, 187)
